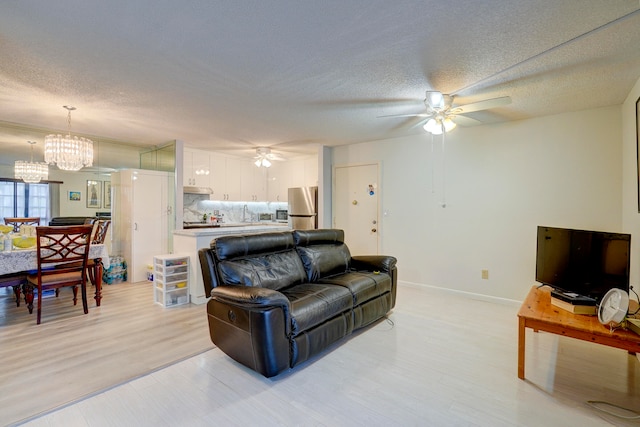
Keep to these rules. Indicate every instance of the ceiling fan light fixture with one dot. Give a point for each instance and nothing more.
(432, 126)
(449, 124)
(435, 99)
(262, 159)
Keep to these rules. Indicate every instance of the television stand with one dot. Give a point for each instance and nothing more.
(539, 314)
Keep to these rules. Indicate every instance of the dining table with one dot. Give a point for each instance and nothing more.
(26, 260)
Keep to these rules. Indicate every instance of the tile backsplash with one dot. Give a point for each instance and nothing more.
(196, 205)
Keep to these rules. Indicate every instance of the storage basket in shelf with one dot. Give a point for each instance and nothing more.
(171, 279)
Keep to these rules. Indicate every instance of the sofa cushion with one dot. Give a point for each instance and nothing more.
(273, 271)
(266, 260)
(229, 247)
(323, 252)
(313, 303)
(324, 260)
(362, 285)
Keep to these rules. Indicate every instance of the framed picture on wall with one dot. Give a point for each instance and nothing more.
(638, 146)
(94, 194)
(75, 196)
(107, 195)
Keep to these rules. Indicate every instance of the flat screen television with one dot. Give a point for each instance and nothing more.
(582, 262)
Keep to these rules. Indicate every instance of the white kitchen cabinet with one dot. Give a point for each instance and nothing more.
(253, 182)
(171, 280)
(196, 168)
(142, 217)
(305, 172)
(225, 178)
(279, 179)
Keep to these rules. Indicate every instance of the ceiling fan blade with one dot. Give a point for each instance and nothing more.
(482, 105)
(465, 121)
(419, 124)
(408, 115)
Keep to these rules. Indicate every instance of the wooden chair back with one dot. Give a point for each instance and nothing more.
(66, 248)
(18, 222)
(101, 227)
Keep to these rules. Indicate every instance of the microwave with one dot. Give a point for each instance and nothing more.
(282, 215)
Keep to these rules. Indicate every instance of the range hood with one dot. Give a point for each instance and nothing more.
(197, 190)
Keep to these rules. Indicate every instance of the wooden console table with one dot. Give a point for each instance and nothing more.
(539, 314)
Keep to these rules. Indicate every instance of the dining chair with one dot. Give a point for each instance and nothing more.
(15, 280)
(100, 228)
(66, 248)
(98, 235)
(19, 222)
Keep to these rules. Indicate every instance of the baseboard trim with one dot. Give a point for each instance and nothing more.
(464, 294)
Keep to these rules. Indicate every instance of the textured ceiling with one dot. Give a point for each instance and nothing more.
(231, 75)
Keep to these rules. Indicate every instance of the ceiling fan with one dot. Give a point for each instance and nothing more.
(264, 157)
(442, 115)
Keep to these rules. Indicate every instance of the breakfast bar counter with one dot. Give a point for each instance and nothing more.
(189, 241)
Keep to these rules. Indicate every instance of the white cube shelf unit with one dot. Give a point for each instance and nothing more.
(171, 279)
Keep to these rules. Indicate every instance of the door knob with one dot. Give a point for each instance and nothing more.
(374, 222)
(373, 230)
(355, 202)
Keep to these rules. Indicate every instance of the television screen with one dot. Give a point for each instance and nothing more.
(587, 263)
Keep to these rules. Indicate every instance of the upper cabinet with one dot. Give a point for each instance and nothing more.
(196, 170)
(279, 179)
(238, 179)
(253, 182)
(225, 178)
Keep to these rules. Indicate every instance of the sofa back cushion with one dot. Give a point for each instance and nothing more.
(266, 260)
(323, 252)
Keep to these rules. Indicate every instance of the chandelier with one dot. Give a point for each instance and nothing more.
(31, 172)
(69, 153)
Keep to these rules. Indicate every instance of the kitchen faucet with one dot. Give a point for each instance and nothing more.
(244, 213)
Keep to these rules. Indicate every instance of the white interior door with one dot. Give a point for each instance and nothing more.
(355, 207)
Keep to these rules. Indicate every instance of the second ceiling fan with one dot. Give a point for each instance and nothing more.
(442, 115)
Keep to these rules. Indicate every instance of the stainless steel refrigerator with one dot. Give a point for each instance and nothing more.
(303, 208)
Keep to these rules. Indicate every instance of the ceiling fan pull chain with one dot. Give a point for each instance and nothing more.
(433, 164)
(444, 171)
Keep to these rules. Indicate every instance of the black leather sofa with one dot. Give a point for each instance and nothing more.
(278, 299)
(69, 220)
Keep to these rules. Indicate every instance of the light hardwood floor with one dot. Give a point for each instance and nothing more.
(440, 360)
(72, 355)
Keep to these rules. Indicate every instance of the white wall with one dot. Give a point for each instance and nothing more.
(631, 218)
(77, 181)
(501, 182)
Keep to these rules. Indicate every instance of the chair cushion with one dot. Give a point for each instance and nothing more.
(56, 279)
(313, 303)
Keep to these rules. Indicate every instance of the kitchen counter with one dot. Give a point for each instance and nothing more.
(232, 228)
(189, 241)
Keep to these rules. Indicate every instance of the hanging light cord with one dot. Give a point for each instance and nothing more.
(69, 109)
(444, 170)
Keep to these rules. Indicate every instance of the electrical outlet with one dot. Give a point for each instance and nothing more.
(485, 274)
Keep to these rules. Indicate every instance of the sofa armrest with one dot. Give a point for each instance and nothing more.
(251, 297)
(373, 263)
